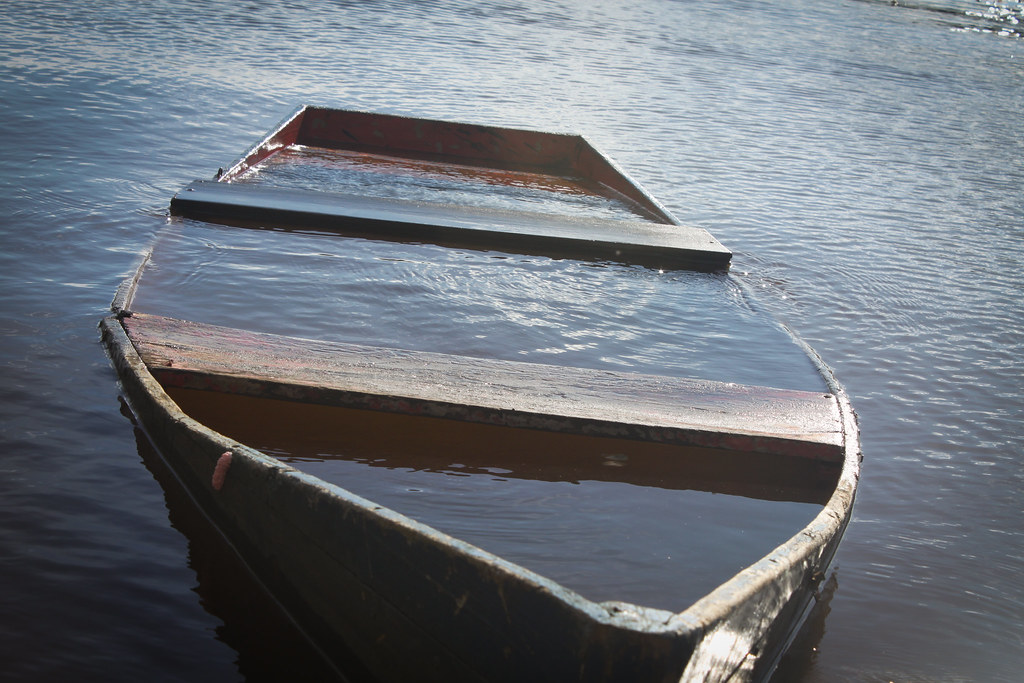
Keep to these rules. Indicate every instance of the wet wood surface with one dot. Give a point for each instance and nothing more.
(515, 394)
(656, 245)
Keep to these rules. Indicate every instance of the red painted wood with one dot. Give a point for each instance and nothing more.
(352, 130)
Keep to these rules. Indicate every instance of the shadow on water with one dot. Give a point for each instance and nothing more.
(799, 659)
(270, 646)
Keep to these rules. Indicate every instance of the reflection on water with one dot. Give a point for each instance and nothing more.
(270, 646)
(644, 523)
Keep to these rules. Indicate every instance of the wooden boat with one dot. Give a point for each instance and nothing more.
(388, 597)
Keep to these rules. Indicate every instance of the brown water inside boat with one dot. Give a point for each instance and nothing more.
(611, 519)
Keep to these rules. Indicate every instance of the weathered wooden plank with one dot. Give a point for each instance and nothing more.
(656, 245)
(515, 394)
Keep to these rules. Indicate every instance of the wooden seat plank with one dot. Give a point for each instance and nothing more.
(517, 394)
(655, 245)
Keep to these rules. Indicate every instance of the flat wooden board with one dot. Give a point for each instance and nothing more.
(564, 399)
(655, 245)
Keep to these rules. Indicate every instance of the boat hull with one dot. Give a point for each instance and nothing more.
(410, 602)
(385, 597)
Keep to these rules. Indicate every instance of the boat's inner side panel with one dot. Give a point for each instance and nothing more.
(612, 519)
(435, 180)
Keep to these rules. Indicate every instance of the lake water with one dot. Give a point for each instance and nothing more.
(862, 160)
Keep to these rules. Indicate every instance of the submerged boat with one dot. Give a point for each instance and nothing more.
(384, 593)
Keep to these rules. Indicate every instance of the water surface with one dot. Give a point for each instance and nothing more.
(862, 160)
(472, 303)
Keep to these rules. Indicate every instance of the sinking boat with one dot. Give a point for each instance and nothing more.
(385, 593)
